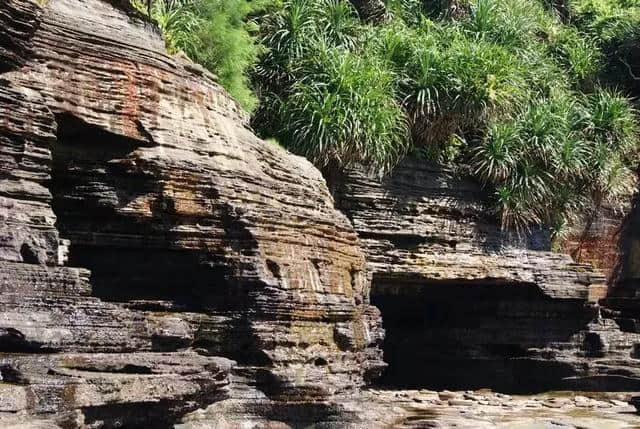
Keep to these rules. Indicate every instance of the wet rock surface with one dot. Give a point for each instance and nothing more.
(486, 409)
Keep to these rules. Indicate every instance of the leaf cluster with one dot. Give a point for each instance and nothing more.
(218, 34)
(505, 90)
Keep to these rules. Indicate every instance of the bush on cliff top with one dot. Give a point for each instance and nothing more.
(503, 90)
(530, 97)
(321, 95)
(615, 25)
(214, 33)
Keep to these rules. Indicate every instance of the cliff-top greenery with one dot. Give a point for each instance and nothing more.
(532, 98)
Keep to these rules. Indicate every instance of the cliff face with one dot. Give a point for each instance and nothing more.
(466, 305)
(161, 266)
(624, 293)
(610, 241)
(155, 256)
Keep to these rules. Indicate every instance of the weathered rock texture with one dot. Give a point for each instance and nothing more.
(600, 240)
(624, 288)
(610, 240)
(465, 304)
(204, 265)
(161, 266)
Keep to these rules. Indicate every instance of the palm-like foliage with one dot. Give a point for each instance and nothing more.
(499, 88)
(177, 21)
(558, 157)
(321, 97)
(495, 158)
(615, 25)
(514, 94)
(511, 23)
(335, 114)
(578, 54)
(613, 120)
(338, 22)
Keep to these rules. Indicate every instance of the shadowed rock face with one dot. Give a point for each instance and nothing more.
(609, 240)
(155, 256)
(602, 240)
(624, 289)
(466, 305)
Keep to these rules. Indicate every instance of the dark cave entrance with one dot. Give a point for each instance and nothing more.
(469, 335)
(142, 258)
(134, 255)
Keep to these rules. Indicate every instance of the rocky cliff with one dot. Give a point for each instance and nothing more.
(610, 241)
(160, 266)
(466, 304)
(624, 288)
(155, 256)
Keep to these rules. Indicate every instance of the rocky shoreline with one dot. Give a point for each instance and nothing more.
(486, 409)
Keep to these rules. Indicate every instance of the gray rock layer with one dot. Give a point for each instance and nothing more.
(160, 266)
(155, 256)
(467, 305)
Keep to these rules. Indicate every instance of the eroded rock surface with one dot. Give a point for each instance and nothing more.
(155, 256)
(419, 409)
(160, 266)
(624, 294)
(467, 305)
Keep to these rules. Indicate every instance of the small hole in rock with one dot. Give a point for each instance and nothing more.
(274, 268)
(320, 362)
(28, 255)
(593, 345)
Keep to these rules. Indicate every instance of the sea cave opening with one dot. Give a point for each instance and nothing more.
(462, 335)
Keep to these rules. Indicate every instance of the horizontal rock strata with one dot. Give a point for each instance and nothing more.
(624, 289)
(155, 256)
(160, 266)
(466, 304)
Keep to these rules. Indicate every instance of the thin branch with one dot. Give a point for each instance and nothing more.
(633, 76)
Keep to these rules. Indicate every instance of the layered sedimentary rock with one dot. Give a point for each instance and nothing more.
(160, 266)
(156, 258)
(610, 241)
(466, 304)
(601, 240)
(624, 289)
(19, 20)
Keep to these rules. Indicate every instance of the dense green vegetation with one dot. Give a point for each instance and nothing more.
(217, 34)
(530, 97)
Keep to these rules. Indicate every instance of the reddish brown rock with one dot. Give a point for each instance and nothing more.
(599, 241)
(161, 266)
